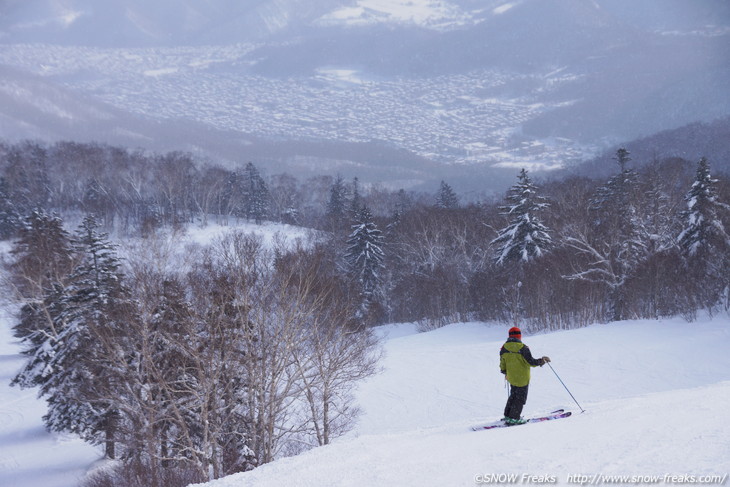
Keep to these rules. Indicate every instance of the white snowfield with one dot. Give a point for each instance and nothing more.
(29, 456)
(656, 397)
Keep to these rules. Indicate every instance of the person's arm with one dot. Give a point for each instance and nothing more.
(534, 362)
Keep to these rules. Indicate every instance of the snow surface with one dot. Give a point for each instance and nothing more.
(29, 456)
(655, 395)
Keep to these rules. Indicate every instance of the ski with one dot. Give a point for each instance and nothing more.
(560, 413)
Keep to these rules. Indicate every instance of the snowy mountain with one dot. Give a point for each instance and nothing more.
(690, 142)
(493, 84)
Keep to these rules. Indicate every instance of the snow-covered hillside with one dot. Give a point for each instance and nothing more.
(29, 456)
(655, 394)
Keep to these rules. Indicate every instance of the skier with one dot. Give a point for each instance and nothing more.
(515, 361)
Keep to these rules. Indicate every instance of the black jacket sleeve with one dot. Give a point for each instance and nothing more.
(525, 351)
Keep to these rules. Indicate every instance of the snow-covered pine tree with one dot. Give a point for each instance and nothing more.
(613, 203)
(78, 365)
(525, 237)
(704, 242)
(43, 259)
(703, 228)
(39, 327)
(364, 258)
(446, 197)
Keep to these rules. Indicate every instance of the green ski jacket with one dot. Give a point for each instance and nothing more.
(515, 361)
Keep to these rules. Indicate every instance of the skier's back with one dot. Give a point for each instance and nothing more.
(515, 361)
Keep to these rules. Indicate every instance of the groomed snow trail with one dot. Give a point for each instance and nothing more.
(656, 395)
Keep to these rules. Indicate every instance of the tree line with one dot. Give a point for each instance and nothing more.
(615, 250)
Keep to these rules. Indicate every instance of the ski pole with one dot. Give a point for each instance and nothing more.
(566, 387)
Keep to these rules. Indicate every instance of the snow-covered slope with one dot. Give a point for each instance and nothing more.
(655, 395)
(29, 456)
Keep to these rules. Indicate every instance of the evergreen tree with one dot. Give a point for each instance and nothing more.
(704, 242)
(337, 203)
(364, 258)
(9, 219)
(446, 198)
(613, 204)
(78, 364)
(38, 328)
(703, 228)
(162, 362)
(401, 207)
(43, 255)
(95, 311)
(256, 194)
(526, 237)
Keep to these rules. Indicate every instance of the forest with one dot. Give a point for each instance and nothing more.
(238, 353)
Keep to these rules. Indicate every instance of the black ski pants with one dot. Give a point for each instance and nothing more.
(515, 402)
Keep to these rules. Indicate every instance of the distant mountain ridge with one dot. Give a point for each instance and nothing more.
(690, 142)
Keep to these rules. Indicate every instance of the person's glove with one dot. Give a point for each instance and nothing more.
(546, 360)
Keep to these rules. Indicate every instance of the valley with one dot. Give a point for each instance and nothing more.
(459, 118)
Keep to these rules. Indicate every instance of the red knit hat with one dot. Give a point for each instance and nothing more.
(515, 332)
